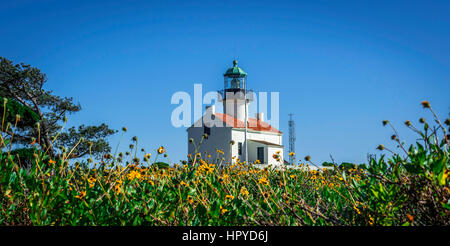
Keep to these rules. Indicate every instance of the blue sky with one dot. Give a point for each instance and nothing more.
(340, 66)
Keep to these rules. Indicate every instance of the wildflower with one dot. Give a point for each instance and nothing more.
(380, 147)
(229, 197)
(184, 183)
(425, 104)
(422, 120)
(263, 181)
(190, 199)
(266, 195)
(134, 174)
(307, 158)
(313, 177)
(410, 217)
(357, 210)
(82, 195)
(371, 220)
(385, 122)
(51, 162)
(223, 210)
(258, 162)
(117, 189)
(276, 157)
(223, 178)
(447, 122)
(134, 139)
(161, 150)
(292, 176)
(407, 123)
(124, 129)
(91, 182)
(394, 137)
(291, 154)
(191, 140)
(244, 191)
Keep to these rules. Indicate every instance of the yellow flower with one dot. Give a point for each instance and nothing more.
(292, 176)
(371, 220)
(258, 162)
(291, 154)
(134, 174)
(190, 199)
(91, 181)
(313, 177)
(229, 197)
(244, 191)
(51, 161)
(263, 181)
(82, 195)
(223, 210)
(184, 183)
(161, 150)
(118, 189)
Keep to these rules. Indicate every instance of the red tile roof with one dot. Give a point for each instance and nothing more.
(252, 124)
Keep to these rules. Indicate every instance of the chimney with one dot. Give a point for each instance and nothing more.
(260, 116)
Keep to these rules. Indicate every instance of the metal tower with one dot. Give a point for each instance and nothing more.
(291, 138)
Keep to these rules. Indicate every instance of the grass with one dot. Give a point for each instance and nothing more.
(407, 189)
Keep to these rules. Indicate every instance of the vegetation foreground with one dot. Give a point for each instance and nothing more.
(410, 188)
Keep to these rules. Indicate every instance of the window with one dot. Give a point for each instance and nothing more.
(207, 130)
(260, 154)
(240, 148)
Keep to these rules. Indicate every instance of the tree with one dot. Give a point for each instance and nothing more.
(24, 84)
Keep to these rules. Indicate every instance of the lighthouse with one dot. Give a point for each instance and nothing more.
(233, 135)
(235, 96)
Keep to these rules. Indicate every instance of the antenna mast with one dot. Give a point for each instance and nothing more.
(291, 138)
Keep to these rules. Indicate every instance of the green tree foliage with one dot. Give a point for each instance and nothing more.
(25, 85)
(12, 108)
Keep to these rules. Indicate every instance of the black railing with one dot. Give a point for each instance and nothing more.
(233, 91)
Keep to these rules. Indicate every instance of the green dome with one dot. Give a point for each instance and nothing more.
(235, 71)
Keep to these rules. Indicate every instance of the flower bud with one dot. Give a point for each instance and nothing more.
(425, 104)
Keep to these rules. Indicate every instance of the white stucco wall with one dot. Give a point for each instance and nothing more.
(219, 138)
(238, 135)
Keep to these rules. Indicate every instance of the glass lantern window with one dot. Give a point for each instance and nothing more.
(234, 83)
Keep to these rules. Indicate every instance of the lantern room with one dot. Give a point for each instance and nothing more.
(234, 79)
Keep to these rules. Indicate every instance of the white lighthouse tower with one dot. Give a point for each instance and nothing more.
(235, 97)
